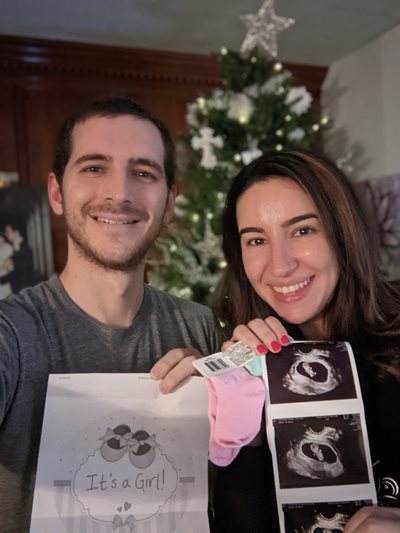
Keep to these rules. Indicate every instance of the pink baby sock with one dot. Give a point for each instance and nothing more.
(235, 403)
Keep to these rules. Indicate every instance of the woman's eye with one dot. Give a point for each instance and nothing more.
(256, 241)
(307, 230)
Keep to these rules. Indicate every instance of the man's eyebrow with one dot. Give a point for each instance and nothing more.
(286, 224)
(91, 157)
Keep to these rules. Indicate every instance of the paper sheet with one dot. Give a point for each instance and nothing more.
(118, 456)
(317, 434)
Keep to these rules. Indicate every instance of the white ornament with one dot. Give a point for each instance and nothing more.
(191, 115)
(251, 153)
(299, 100)
(253, 90)
(296, 135)
(206, 142)
(218, 100)
(275, 82)
(240, 107)
(263, 29)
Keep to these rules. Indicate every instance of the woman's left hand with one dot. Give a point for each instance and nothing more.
(374, 520)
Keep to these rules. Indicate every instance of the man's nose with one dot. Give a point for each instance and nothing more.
(119, 186)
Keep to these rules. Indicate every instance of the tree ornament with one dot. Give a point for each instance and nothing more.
(263, 29)
(206, 142)
(251, 153)
(299, 100)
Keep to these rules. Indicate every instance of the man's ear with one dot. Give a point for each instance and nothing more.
(170, 207)
(55, 194)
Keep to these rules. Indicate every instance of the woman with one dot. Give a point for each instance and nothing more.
(301, 262)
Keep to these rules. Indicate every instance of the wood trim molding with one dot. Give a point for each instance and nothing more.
(40, 56)
(32, 56)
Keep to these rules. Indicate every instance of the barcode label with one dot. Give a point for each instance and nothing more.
(222, 362)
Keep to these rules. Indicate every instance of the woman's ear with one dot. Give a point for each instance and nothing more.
(55, 194)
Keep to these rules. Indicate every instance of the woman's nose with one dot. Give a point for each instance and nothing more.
(282, 259)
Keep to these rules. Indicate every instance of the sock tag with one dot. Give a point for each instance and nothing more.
(222, 362)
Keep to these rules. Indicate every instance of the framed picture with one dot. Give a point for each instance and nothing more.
(26, 255)
(381, 198)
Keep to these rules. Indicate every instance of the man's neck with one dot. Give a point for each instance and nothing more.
(112, 297)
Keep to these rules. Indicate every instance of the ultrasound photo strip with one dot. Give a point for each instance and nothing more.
(317, 434)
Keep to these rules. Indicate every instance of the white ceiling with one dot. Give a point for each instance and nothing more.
(325, 30)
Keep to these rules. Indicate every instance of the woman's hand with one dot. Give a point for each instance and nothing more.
(262, 336)
(374, 520)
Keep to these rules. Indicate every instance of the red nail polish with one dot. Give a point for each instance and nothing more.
(262, 349)
(275, 346)
(285, 339)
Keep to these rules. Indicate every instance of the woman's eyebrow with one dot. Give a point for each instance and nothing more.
(250, 229)
(299, 218)
(286, 224)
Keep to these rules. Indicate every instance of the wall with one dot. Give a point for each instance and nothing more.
(361, 93)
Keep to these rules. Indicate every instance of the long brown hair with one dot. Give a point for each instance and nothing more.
(365, 307)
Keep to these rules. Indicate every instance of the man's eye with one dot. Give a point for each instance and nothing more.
(92, 169)
(145, 174)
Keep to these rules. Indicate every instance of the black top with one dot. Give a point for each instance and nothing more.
(244, 497)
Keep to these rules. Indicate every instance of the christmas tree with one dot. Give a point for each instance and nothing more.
(260, 109)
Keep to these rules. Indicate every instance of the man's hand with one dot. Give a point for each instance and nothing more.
(174, 367)
(374, 520)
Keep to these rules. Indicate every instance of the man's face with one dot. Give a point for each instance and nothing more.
(114, 194)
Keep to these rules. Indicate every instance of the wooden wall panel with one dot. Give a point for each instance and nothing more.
(42, 82)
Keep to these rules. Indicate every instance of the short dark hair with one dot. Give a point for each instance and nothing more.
(111, 107)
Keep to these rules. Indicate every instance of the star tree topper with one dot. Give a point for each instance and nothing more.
(263, 29)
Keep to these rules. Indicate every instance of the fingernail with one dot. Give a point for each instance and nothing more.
(262, 349)
(285, 340)
(275, 346)
(163, 388)
(155, 375)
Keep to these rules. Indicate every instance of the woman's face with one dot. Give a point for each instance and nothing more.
(286, 255)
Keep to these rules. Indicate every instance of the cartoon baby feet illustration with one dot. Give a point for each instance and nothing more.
(115, 443)
(143, 454)
(139, 445)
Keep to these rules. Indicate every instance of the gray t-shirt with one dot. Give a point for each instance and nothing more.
(43, 331)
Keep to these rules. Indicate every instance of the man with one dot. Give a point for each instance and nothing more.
(113, 181)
